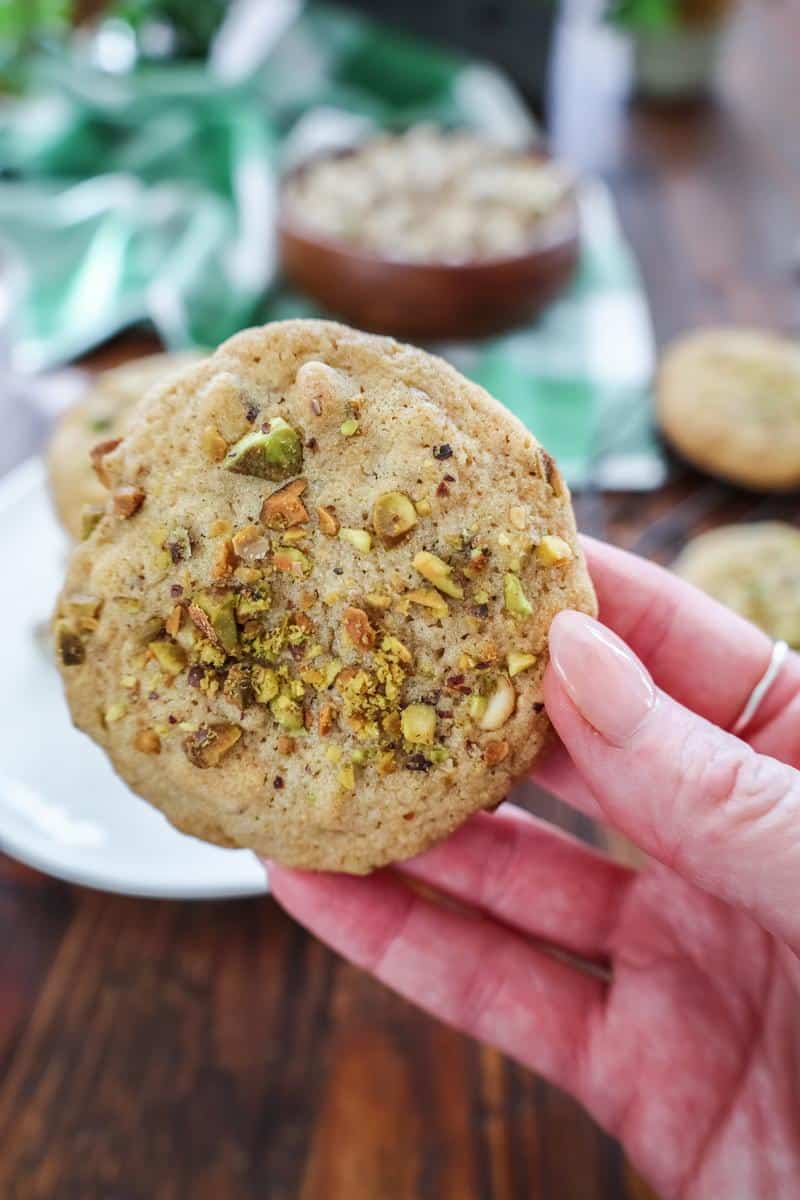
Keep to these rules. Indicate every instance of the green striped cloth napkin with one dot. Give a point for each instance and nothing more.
(178, 229)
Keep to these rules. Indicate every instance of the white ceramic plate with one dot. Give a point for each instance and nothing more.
(62, 808)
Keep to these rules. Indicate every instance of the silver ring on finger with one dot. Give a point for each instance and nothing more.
(756, 697)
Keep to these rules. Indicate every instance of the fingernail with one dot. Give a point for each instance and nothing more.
(601, 675)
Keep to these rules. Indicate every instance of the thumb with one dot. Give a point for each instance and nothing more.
(692, 796)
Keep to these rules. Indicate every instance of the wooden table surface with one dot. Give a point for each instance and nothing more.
(161, 1051)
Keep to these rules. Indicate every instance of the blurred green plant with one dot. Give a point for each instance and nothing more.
(25, 25)
(192, 23)
(24, 20)
(662, 15)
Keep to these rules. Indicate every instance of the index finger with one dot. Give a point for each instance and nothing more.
(701, 653)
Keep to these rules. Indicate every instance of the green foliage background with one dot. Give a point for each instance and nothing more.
(645, 14)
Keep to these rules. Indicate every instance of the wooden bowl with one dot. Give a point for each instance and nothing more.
(429, 300)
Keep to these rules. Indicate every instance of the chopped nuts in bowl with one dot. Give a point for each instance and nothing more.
(430, 233)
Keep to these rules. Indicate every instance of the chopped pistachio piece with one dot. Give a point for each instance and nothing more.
(393, 515)
(115, 712)
(327, 719)
(275, 452)
(333, 753)
(358, 628)
(293, 537)
(83, 609)
(386, 762)
(249, 576)
(99, 424)
(438, 755)
(393, 647)
(213, 443)
(98, 453)
(379, 601)
(287, 713)
(284, 508)
(220, 613)
(169, 655)
(238, 685)
(207, 746)
(476, 707)
(178, 544)
(418, 724)
(264, 682)
(331, 671)
(516, 602)
(361, 539)
(429, 598)
(349, 428)
(255, 600)
(90, 519)
(291, 560)
(209, 653)
(552, 550)
(127, 500)
(250, 543)
(423, 507)
(347, 778)
(519, 662)
(437, 572)
(328, 522)
(495, 751)
(70, 648)
(147, 741)
(314, 677)
(500, 704)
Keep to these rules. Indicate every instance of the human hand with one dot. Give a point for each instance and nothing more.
(685, 1044)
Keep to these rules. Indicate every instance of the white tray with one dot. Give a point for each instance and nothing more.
(62, 808)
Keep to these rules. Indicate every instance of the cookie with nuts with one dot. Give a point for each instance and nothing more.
(728, 400)
(754, 569)
(285, 633)
(74, 466)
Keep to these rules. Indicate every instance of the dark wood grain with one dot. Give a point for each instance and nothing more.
(215, 1051)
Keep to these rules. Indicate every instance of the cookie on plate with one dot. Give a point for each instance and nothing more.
(754, 569)
(313, 619)
(729, 401)
(102, 414)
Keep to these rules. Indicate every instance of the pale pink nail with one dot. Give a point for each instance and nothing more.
(602, 676)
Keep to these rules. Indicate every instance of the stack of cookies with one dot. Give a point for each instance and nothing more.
(729, 402)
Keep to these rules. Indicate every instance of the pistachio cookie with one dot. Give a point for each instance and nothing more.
(754, 569)
(103, 413)
(729, 402)
(313, 618)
